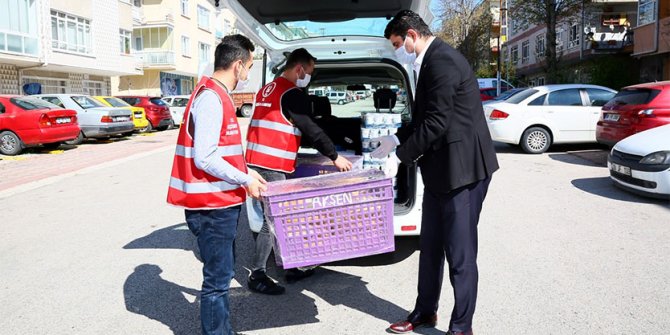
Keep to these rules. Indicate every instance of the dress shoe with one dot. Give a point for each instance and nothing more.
(414, 320)
(453, 332)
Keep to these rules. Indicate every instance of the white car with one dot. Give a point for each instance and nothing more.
(544, 115)
(641, 163)
(177, 104)
(95, 119)
(351, 54)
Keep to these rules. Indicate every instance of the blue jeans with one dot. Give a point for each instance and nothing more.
(215, 230)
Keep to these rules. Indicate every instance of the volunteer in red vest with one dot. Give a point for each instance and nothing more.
(210, 179)
(280, 119)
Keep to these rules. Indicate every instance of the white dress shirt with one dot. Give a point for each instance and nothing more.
(419, 58)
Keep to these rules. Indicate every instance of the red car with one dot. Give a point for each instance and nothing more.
(29, 121)
(488, 93)
(634, 109)
(158, 112)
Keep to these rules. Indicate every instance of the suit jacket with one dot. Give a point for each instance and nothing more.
(448, 136)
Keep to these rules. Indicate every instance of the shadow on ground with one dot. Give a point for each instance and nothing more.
(604, 187)
(146, 293)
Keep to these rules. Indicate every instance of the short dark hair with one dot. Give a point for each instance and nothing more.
(404, 21)
(231, 49)
(299, 56)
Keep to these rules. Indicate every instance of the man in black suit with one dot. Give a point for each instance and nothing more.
(450, 141)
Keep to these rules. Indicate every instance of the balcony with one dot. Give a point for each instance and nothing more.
(156, 59)
(138, 15)
(609, 41)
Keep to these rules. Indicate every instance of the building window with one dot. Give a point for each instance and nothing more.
(540, 45)
(18, 27)
(185, 46)
(540, 81)
(515, 55)
(204, 52)
(70, 33)
(125, 36)
(573, 41)
(525, 52)
(49, 86)
(137, 3)
(203, 18)
(559, 40)
(646, 12)
(184, 7)
(92, 87)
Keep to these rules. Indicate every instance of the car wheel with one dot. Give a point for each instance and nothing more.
(171, 125)
(143, 130)
(340, 102)
(535, 140)
(149, 127)
(246, 110)
(51, 146)
(10, 144)
(77, 141)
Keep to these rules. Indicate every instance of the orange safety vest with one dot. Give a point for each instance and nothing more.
(272, 141)
(192, 188)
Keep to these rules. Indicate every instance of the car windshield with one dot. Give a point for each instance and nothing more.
(31, 103)
(116, 102)
(158, 101)
(86, 102)
(517, 98)
(635, 96)
(291, 31)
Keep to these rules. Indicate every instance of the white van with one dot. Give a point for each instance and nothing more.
(493, 82)
(354, 54)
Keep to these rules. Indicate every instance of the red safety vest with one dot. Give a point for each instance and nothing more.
(193, 188)
(272, 140)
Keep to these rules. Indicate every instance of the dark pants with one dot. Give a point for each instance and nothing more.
(215, 230)
(449, 230)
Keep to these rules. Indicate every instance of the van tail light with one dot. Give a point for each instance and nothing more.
(45, 121)
(498, 115)
(646, 113)
(106, 119)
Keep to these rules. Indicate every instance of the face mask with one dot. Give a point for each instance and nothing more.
(242, 83)
(305, 81)
(403, 56)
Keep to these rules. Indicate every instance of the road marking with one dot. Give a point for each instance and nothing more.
(148, 134)
(55, 152)
(14, 158)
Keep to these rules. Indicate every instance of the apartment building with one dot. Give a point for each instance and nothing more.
(602, 29)
(652, 40)
(65, 46)
(172, 40)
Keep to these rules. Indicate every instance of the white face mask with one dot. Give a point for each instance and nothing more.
(303, 82)
(242, 83)
(403, 56)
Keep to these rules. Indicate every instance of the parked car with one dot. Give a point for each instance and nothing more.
(158, 112)
(640, 163)
(177, 105)
(504, 96)
(488, 93)
(544, 115)
(363, 56)
(634, 109)
(27, 121)
(361, 95)
(95, 120)
(139, 116)
(493, 82)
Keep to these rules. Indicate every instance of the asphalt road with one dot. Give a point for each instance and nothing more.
(562, 251)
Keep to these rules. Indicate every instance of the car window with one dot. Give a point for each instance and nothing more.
(2, 108)
(599, 98)
(131, 101)
(180, 102)
(85, 102)
(53, 100)
(522, 96)
(569, 97)
(539, 101)
(31, 103)
(157, 101)
(635, 96)
(116, 102)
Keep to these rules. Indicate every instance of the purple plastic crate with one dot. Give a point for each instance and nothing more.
(331, 217)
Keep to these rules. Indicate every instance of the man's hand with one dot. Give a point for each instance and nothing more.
(391, 166)
(386, 145)
(254, 174)
(342, 163)
(257, 186)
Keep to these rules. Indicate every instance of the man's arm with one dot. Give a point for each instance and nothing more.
(296, 105)
(207, 115)
(443, 80)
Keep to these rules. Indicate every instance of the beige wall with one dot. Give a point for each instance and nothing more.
(147, 84)
(125, 16)
(79, 8)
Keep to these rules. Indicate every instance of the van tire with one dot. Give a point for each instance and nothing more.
(340, 102)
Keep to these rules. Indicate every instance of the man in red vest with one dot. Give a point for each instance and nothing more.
(210, 179)
(281, 118)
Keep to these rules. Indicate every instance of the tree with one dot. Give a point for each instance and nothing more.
(466, 25)
(548, 13)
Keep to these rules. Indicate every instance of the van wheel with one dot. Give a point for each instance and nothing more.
(340, 102)
(10, 143)
(77, 140)
(535, 140)
(246, 110)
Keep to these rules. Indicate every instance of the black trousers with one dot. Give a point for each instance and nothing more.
(449, 230)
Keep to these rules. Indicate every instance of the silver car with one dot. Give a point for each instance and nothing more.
(95, 119)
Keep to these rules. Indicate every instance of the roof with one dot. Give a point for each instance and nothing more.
(656, 84)
(551, 88)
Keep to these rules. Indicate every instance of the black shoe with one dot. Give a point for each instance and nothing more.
(293, 275)
(263, 284)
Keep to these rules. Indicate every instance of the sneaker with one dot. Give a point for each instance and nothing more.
(263, 284)
(294, 275)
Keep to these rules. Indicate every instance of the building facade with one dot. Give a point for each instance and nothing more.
(64, 46)
(172, 40)
(652, 36)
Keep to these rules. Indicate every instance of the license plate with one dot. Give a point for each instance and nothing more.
(62, 120)
(138, 115)
(620, 169)
(121, 118)
(612, 117)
